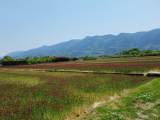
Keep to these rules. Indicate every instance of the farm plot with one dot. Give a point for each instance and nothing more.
(125, 65)
(41, 95)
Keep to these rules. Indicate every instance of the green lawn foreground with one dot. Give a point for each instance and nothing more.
(143, 103)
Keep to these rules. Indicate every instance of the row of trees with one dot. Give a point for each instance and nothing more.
(7, 60)
(135, 52)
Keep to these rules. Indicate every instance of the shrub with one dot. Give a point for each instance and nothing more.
(62, 59)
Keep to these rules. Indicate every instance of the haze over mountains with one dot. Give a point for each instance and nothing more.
(97, 45)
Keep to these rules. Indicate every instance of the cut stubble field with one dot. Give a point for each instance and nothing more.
(55, 95)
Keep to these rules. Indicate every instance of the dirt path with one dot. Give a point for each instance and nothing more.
(41, 70)
(143, 108)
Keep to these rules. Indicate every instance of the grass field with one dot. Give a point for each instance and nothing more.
(59, 96)
(43, 95)
(142, 103)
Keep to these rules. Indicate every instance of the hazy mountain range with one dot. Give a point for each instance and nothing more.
(97, 45)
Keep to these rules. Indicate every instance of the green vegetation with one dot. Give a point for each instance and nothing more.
(97, 45)
(0, 62)
(142, 103)
(135, 52)
(60, 95)
(39, 95)
(122, 65)
(7, 60)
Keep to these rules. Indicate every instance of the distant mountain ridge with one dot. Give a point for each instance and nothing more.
(97, 45)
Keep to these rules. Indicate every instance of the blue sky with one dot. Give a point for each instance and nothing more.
(27, 24)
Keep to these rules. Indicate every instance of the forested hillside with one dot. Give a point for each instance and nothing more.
(97, 45)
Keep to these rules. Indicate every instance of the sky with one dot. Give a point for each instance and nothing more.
(28, 24)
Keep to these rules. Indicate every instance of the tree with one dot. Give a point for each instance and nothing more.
(48, 60)
(53, 59)
(7, 58)
(35, 57)
(27, 58)
(135, 49)
(40, 60)
(148, 51)
(124, 52)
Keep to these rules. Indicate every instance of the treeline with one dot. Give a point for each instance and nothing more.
(135, 52)
(7, 60)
